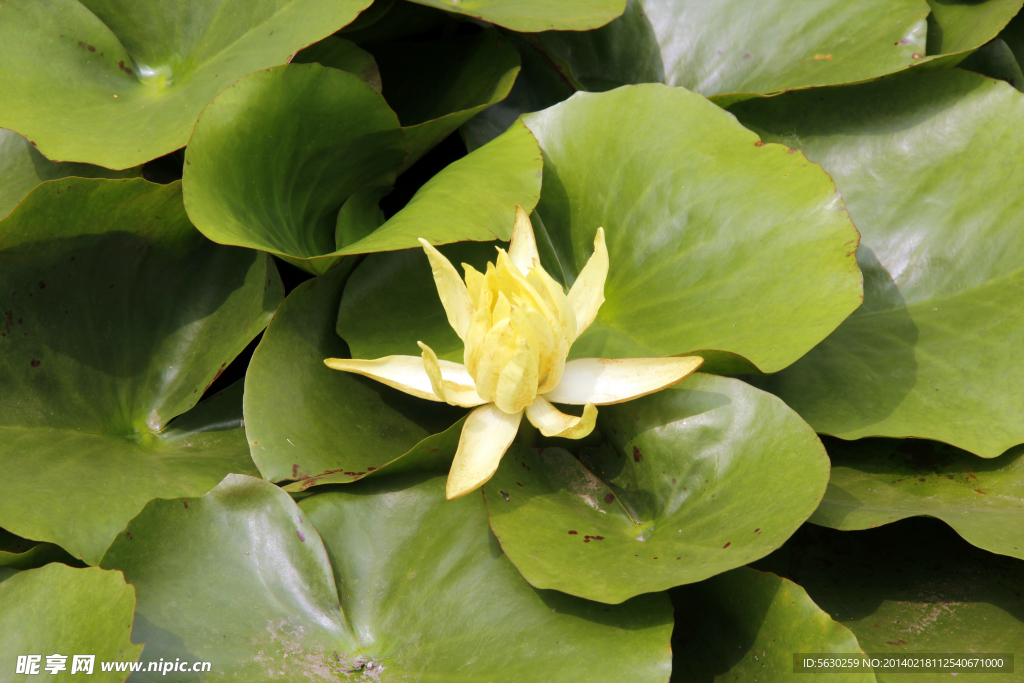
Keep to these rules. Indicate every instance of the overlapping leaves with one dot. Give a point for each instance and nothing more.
(293, 161)
(365, 600)
(933, 351)
(116, 83)
(117, 315)
(687, 487)
(697, 218)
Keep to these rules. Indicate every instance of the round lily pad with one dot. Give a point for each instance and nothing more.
(747, 625)
(308, 422)
(276, 160)
(117, 315)
(58, 610)
(687, 486)
(877, 481)
(933, 351)
(113, 83)
(257, 577)
(535, 15)
(910, 587)
(715, 240)
(778, 45)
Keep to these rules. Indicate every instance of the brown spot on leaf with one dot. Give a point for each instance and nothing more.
(128, 534)
(609, 498)
(42, 285)
(302, 538)
(122, 67)
(572, 533)
(35, 363)
(758, 144)
(637, 455)
(726, 545)
(90, 48)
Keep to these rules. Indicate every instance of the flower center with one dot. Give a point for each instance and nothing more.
(519, 335)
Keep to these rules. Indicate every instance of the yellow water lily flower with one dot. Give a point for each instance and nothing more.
(517, 325)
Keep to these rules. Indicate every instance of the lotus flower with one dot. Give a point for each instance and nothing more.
(517, 325)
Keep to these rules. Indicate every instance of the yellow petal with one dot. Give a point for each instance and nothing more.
(486, 436)
(495, 351)
(476, 332)
(450, 381)
(517, 384)
(602, 381)
(404, 373)
(523, 248)
(452, 290)
(552, 292)
(502, 309)
(587, 293)
(474, 283)
(553, 422)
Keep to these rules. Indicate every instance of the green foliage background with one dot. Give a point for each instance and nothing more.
(202, 200)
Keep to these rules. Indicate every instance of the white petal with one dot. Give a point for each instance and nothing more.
(523, 248)
(486, 436)
(587, 293)
(452, 290)
(603, 381)
(450, 381)
(553, 422)
(404, 373)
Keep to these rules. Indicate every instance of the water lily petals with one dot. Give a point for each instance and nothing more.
(496, 349)
(517, 384)
(486, 436)
(604, 381)
(553, 422)
(474, 283)
(404, 373)
(450, 381)
(452, 290)
(523, 248)
(475, 334)
(587, 293)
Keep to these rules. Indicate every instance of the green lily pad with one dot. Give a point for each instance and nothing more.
(778, 45)
(20, 553)
(877, 481)
(957, 26)
(59, 610)
(307, 422)
(535, 15)
(402, 555)
(117, 316)
(274, 157)
(435, 86)
(256, 176)
(917, 160)
(238, 578)
(473, 198)
(913, 586)
(342, 54)
(111, 83)
(746, 625)
(256, 579)
(22, 168)
(715, 240)
(687, 487)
